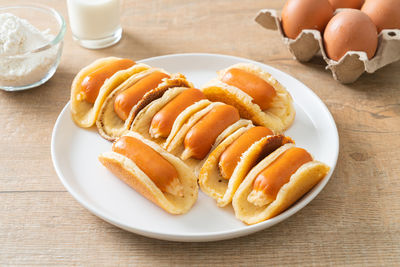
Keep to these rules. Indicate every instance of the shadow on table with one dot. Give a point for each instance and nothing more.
(130, 46)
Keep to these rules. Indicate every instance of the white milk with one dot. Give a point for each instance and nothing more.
(93, 19)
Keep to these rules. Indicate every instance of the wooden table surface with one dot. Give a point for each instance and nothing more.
(354, 221)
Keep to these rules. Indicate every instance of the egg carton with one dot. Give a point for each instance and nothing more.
(352, 65)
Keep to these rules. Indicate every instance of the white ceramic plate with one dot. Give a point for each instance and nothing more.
(75, 150)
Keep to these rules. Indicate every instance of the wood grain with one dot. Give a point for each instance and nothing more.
(354, 221)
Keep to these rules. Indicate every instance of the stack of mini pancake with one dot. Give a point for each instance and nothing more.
(168, 136)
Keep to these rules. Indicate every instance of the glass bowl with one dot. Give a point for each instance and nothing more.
(24, 68)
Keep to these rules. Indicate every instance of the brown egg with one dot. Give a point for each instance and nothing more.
(298, 15)
(350, 30)
(384, 13)
(346, 3)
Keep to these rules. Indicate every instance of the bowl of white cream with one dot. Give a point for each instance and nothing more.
(31, 43)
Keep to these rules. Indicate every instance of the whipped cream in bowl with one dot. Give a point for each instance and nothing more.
(31, 42)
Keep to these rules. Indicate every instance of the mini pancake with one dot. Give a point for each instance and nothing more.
(186, 120)
(84, 113)
(231, 129)
(142, 121)
(278, 117)
(176, 146)
(110, 125)
(197, 164)
(126, 170)
(210, 179)
(302, 181)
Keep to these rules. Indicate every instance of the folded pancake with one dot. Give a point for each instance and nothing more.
(263, 195)
(167, 113)
(255, 93)
(177, 145)
(222, 188)
(230, 130)
(130, 161)
(124, 103)
(196, 164)
(183, 123)
(200, 138)
(189, 117)
(97, 80)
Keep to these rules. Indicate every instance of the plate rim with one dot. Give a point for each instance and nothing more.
(212, 236)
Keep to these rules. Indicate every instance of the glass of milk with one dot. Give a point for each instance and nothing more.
(95, 23)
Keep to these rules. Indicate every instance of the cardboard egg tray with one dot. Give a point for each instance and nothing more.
(350, 67)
